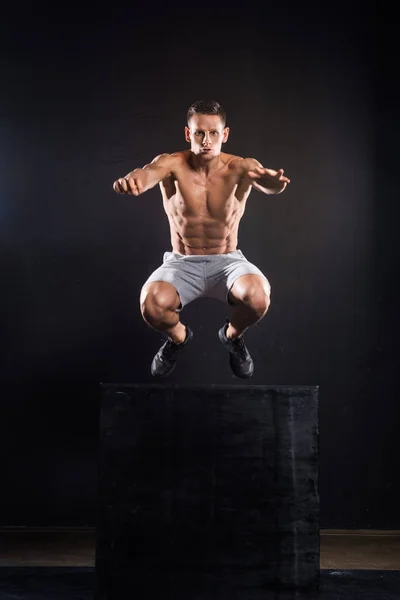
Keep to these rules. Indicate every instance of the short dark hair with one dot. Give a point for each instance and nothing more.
(206, 107)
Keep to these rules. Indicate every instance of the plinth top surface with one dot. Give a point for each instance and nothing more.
(278, 388)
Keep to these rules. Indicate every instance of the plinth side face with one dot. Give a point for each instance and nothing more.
(217, 486)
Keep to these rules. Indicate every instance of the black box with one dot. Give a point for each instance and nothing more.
(207, 491)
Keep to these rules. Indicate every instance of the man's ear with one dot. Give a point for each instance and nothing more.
(225, 135)
(187, 134)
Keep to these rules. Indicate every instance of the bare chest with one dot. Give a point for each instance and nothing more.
(194, 195)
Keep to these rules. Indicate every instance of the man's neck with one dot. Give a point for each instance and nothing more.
(205, 166)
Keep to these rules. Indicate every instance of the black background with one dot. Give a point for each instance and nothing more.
(88, 94)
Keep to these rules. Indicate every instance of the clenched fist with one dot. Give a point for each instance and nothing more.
(130, 184)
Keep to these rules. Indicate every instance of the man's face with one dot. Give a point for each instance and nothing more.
(206, 135)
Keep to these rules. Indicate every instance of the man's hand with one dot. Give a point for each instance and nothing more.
(268, 180)
(128, 185)
(142, 179)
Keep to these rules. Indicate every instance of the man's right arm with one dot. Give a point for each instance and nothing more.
(142, 179)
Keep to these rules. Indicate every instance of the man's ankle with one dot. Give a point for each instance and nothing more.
(231, 333)
(178, 337)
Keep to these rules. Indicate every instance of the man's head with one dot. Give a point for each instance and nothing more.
(206, 129)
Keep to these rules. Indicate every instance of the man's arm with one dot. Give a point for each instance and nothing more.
(142, 179)
(265, 180)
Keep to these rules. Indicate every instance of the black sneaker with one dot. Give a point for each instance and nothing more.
(239, 358)
(165, 359)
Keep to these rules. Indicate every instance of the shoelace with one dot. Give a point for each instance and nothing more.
(240, 347)
(168, 349)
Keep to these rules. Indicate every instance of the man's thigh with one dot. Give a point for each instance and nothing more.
(187, 276)
(228, 270)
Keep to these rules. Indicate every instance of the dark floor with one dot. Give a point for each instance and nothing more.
(58, 564)
(69, 583)
(75, 547)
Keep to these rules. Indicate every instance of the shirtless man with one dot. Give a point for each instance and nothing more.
(204, 193)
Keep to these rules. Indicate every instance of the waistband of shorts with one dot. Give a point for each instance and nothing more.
(236, 252)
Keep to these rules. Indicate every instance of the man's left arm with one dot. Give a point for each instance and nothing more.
(265, 180)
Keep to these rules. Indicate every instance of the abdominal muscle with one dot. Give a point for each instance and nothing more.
(200, 234)
(201, 244)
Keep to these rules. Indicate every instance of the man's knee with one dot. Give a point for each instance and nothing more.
(158, 297)
(253, 292)
(258, 301)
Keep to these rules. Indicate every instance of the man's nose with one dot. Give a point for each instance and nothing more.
(206, 139)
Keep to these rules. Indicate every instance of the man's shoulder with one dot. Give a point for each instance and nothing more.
(168, 157)
(240, 163)
(180, 155)
(232, 161)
